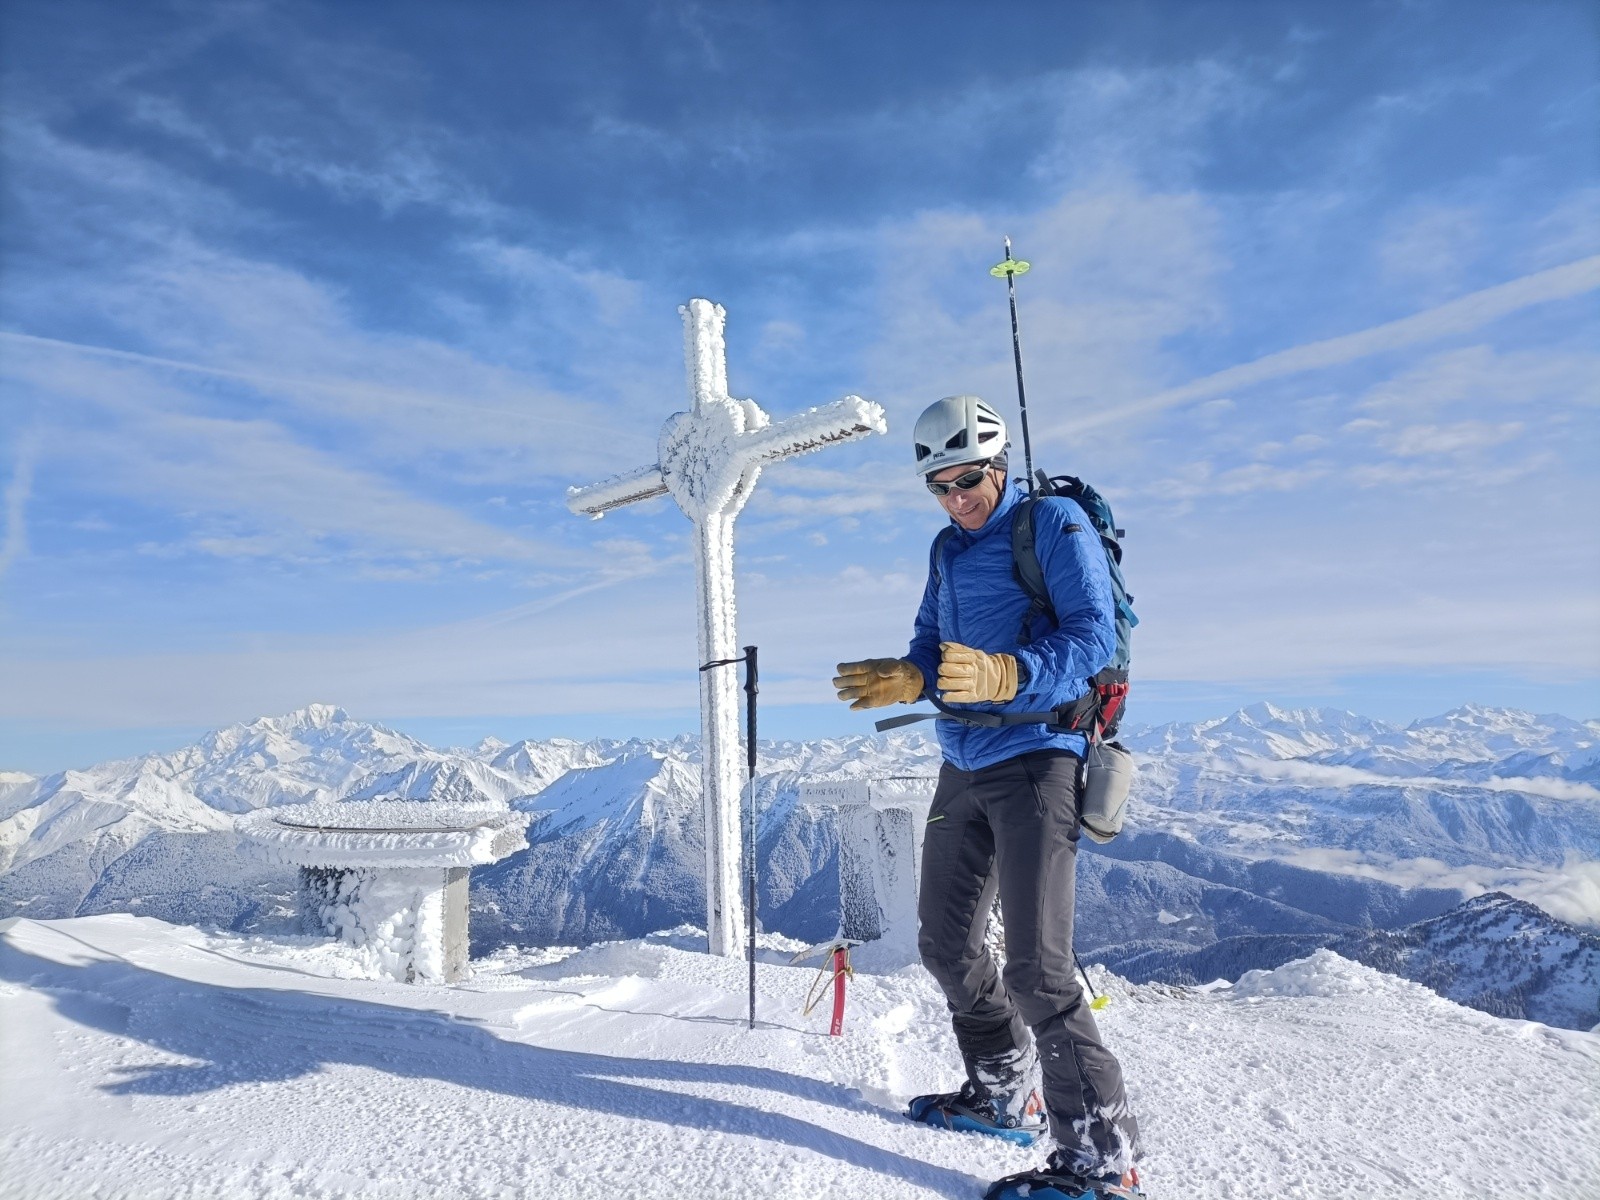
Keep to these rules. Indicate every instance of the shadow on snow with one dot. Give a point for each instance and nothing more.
(262, 1035)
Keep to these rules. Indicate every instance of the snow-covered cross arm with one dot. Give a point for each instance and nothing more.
(708, 461)
(597, 499)
(840, 421)
(851, 417)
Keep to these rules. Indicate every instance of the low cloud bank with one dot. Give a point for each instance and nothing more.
(1570, 892)
(1333, 775)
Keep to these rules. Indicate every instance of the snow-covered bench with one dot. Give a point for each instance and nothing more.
(389, 876)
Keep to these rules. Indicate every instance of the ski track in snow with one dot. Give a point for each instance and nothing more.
(150, 1060)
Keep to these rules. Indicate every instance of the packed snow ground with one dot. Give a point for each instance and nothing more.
(149, 1060)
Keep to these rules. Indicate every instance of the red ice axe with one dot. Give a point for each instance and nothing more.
(837, 955)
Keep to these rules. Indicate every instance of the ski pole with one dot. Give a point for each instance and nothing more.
(1009, 270)
(750, 765)
(748, 658)
(1097, 1001)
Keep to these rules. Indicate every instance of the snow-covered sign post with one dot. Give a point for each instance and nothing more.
(881, 822)
(708, 460)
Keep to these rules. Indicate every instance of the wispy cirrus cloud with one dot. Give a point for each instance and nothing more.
(319, 111)
(247, 485)
(1120, 269)
(1414, 441)
(407, 399)
(1461, 315)
(254, 490)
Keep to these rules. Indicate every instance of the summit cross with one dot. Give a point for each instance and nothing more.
(708, 461)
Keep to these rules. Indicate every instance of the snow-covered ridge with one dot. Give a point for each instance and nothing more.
(1286, 757)
(1494, 953)
(1471, 743)
(1469, 799)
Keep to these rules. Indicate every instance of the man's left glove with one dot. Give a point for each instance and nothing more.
(874, 682)
(968, 676)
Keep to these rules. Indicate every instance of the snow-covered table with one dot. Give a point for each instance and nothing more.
(389, 876)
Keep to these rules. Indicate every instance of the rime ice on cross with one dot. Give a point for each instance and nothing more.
(709, 460)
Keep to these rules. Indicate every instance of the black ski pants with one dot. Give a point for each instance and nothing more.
(1012, 828)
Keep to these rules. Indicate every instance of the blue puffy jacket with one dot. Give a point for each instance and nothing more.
(974, 598)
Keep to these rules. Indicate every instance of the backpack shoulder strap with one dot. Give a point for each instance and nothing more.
(936, 556)
(1025, 558)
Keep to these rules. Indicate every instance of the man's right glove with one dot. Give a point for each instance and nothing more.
(874, 682)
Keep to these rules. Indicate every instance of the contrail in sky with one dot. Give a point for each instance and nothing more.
(1461, 315)
(354, 388)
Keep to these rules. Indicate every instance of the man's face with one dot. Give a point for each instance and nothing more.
(970, 507)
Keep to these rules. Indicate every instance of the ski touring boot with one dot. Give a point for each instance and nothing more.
(1017, 1116)
(1056, 1180)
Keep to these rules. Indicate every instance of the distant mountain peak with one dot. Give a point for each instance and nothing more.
(1502, 904)
(441, 780)
(312, 716)
(1265, 712)
(1488, 716)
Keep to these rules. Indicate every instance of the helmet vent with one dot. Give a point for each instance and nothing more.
(958, 440)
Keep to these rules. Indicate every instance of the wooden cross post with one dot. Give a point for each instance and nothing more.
(708, 461)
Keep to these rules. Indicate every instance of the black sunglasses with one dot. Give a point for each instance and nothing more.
(964, 483)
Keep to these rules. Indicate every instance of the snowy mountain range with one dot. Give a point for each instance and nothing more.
(1309, 825)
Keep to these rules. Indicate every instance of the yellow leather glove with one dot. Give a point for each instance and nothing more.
(968, 676)
(874, 682)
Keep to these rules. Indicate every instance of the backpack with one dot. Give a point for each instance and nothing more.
(1098, 712)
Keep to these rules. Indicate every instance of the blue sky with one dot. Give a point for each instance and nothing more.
(309, 314)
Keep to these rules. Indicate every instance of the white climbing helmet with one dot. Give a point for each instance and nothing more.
(957, 429)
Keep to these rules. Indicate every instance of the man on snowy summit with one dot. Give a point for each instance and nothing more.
(1005, 815)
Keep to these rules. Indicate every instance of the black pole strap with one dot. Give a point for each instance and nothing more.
(989, 720)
